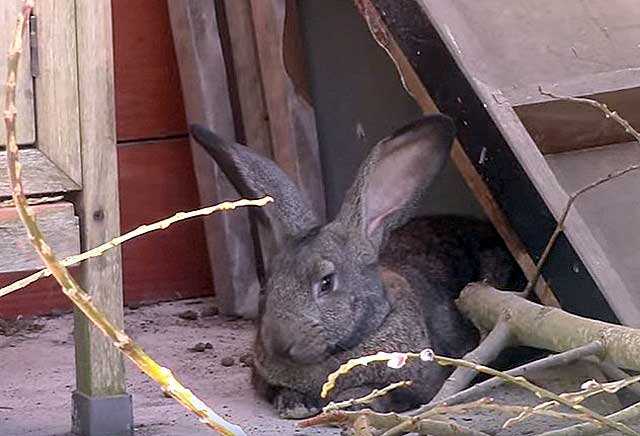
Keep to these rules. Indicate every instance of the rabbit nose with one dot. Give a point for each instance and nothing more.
(275, 338)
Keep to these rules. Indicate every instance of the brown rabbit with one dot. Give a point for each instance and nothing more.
(374, 279)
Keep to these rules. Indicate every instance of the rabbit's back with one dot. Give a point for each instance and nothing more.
(439, 256)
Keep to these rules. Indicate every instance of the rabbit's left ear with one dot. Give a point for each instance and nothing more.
(393, 178)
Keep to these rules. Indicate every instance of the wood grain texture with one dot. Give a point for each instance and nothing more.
(148, 100)
(25, 127)
(39, 175)
(57, 87)
(173, 263)
(58, 224)
(206, 96)
(291, 115)
(99, 365)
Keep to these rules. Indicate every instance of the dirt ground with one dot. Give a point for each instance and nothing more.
(37, 368)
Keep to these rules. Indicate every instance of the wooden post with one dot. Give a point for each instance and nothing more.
(206, 96)
(101, 405)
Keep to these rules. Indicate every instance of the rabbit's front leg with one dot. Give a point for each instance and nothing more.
(292, 404)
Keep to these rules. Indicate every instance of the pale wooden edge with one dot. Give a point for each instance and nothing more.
(58, 126)
(588, 84)
(206, 96)
(59, 225)
(39, 175)
(99, 365)
(474, 181)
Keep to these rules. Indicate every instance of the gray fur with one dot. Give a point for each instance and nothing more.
(394, 277)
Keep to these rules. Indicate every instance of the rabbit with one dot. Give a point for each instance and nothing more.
(376, 278)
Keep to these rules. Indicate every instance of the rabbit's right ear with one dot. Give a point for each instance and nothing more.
(255, 176)
(392, 180)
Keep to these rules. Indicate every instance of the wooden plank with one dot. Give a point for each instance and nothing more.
(611, 211)
(57, 87)
(561, 126)
(170, 264)
(148, 96)
(41, 298)
(507, 158)
(39, 175)
(206, 95)
(291, 115)
(58, 224)
(25, 128)
(416, 89)
(99, 365)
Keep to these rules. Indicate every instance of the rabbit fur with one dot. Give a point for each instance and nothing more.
(376, 278)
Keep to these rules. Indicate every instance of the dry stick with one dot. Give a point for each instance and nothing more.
(498, 339)
(388, 420)
(573, 197)
(615, 373)
(596, 429)
(71, 289)
(404, 426)
(367, 399)
(485, 386)
(143, 229)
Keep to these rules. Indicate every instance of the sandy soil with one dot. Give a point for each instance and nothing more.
(37, 375)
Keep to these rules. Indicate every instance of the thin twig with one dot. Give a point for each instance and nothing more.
(376, 393)
(382, 421)
(70, 287)
(142, 230)
(487, 385)
(573, 197)
(496, 341)
(591, 429)
(447, 361)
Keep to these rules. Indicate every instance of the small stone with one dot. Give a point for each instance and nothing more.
(134, 306)
(209, 311)
(246, 359)
(189, 315)
(227, 361)
(199, 347)
(208, 346)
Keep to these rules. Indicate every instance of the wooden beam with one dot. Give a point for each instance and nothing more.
(291, 116)
(99, 365)
(25, 128)
(39, 175)
(206, 96)
(474, 181)
(59, 225)
(57, 87)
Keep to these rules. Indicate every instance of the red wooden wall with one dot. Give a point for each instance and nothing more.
(156, 172)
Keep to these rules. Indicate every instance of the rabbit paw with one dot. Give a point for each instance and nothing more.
(293, 405)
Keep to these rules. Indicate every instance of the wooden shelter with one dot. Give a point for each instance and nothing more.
(524, 153)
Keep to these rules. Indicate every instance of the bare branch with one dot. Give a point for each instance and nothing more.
(496, 341)
(142, 230)
(376, 393)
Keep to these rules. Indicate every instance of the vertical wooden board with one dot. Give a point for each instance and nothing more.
(25, 128)
(57, 86)
(148, 95)
(291, 115)
(206, 95)
(172, 263)
(100, 368)
(57, 222)
(244, 55)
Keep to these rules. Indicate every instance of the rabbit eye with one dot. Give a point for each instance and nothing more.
(327, 283)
